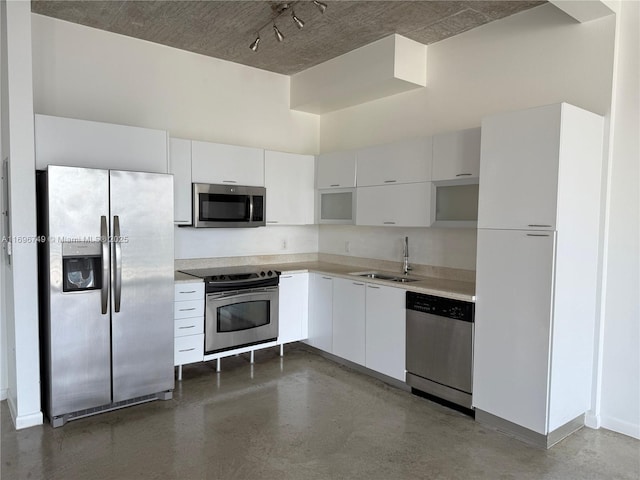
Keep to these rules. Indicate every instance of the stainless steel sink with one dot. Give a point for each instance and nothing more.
(383, 276)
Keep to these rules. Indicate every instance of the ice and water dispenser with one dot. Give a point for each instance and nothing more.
(81, 266)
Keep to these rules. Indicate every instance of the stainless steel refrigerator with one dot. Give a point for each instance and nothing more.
(106, 289)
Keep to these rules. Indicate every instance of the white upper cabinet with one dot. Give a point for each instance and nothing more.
(222, 164)
(289, 179)
(456, 155)
(81, 143)
(405, 205)
(180, 168)
(407, 161)
(519, 169)
(336, 170)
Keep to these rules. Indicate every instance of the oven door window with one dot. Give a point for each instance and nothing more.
(243, 316)
(223, 208)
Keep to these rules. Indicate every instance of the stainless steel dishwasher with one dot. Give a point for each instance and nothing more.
(440, 347)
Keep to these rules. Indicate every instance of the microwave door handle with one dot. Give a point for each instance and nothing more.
(117, 274)
(104, 244)
(251, 208)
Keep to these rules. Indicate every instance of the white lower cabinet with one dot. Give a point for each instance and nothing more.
(349, 320)
(321, 312)
(385, 336)
(189, 323)
(293, 317)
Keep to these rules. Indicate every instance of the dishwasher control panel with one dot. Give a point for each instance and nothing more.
(443, 307)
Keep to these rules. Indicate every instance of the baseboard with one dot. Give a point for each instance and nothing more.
(24, 421)
(621, 426)
(592, 420)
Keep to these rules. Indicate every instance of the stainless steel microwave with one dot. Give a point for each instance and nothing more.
(228, 206)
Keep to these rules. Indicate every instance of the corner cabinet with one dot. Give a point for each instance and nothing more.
(289, 179)
(189, 324)
(336, 170)
(222, 164)
(456, 155)
(321, 312)
(407, 161)
(293, 313)
(349, 320)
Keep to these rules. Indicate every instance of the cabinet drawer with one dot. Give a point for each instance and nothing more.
(188, 349)
(188, 326)
(189, 291)
(190, 308)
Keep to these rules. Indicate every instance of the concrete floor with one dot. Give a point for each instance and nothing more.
(300, 417)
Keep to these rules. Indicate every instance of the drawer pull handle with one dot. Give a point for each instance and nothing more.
(272, 221)
(190, 291)
(463, 175)
(536, 225)
(373, 286)
(327, 278)
(537, 235)
(359, 284)
(187, 309)
(187, 350)
(183, 328)
(390, 181)
(389, 223)
(229, 181)
(286, 276)
(335, 185)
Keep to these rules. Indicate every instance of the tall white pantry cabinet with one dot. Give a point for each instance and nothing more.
(536, 272)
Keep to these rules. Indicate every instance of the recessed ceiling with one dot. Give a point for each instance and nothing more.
(225, 29)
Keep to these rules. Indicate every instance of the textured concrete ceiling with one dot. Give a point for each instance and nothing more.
(225, 29)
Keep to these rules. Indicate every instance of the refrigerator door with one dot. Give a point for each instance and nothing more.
(142, 283)
(77, 329)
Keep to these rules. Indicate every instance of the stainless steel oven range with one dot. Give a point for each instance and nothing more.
(241, 307)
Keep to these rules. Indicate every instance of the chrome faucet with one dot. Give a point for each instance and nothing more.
(405, 264)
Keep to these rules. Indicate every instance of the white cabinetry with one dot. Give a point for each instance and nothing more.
(519, 169)
(189, 324)
(407, 161)
(336, 170)
(293, 310)
(321, 312)
(349, 320)
(82, 143)
(289, 179)
(385, 330)
(456, 155)
(218, 163)
(406, 205)
(536, 274)
(180, 167)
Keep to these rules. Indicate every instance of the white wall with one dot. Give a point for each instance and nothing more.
(620, 363)
(20, 313)
(441, 247)
(225, 242)
(533, 58)
(82, 72)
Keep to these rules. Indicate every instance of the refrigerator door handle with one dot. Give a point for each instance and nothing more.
(104, 243)
(117, 270)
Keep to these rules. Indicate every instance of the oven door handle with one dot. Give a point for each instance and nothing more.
(235, 294)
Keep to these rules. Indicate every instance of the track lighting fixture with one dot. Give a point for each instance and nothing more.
(299, 23)
(277, 11)
(321, 6)
(279, 35)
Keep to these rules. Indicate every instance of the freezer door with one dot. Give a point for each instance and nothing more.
(142, 283)
(76, 340)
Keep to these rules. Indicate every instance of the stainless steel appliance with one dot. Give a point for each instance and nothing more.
(228, 206)
(106, 289)
(241, 307)
(440, 347)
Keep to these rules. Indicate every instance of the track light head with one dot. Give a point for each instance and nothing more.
(321, 6)
(254, 45)
(278, 34)
(299, 23)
